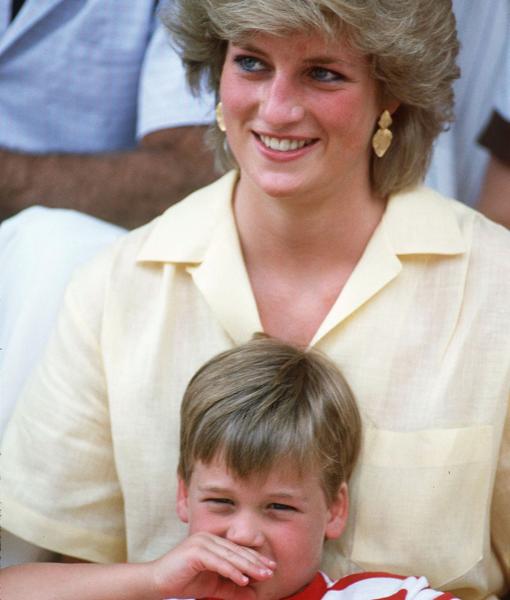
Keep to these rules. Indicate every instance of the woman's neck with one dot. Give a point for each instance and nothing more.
(299, 252)
(299, 232)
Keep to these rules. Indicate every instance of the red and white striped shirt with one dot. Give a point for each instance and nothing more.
(369, 586)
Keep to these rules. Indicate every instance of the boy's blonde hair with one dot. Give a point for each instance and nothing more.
(266, 402)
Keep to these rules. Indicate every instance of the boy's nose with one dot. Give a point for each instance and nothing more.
(244, 531)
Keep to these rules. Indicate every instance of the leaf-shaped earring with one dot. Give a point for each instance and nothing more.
(383, 137)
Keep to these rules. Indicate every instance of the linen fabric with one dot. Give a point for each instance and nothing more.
(367, 586)
(420, 331)
(39, 250)
(88, 76)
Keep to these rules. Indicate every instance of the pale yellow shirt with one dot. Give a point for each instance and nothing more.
(421, 330)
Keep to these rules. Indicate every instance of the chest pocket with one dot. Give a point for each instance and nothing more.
(423, 501)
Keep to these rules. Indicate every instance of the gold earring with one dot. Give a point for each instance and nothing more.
(219, 117)
(383, 136)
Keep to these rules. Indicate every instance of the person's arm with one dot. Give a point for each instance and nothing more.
(47, 581)
(203, 565)
(126, 188)
(495, 195)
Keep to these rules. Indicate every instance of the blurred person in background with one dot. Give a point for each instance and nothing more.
(96, 117)
(458, 162)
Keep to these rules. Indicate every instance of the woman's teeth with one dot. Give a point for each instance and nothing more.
(283, 145)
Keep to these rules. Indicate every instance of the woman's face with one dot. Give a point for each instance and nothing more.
(300, 112)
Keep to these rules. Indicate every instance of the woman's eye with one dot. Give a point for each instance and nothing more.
(325, 75)
(249, 63)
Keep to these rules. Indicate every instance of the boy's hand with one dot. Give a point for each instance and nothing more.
(206, 565)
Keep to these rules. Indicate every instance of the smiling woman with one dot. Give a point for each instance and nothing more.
(299, 129)
(410, 51)
(321, 235)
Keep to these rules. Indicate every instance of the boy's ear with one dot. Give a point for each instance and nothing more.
(182, 501)
(338, 513)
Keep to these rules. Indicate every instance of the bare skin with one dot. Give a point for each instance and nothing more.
(495, 196)
(298, 258)
(203, 565)
(126, 188)
(299, 115)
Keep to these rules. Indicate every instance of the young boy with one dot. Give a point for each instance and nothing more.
(269, 437)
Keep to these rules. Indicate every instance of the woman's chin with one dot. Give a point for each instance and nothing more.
(276, 185)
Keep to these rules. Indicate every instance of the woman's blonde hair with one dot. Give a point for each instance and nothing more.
(267, 403)
(412, 46)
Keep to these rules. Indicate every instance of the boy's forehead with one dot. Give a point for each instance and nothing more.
(284, 476)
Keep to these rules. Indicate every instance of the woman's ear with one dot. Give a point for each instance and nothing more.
(182, 501)
(393, 105)
(338, 512)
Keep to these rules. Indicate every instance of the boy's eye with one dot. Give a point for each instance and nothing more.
(279, 506)
(325, 75)
(219, 501)
(249, 64)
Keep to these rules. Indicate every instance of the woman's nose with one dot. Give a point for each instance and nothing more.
(245, 531)
(281, 104)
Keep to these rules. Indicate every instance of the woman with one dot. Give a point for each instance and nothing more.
(322, 237)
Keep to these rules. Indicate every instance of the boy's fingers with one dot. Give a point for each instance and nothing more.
(247, 553)
(235, 566)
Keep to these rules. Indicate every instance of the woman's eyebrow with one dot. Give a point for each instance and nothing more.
(327, 60)
(323, 59)
(248, 47)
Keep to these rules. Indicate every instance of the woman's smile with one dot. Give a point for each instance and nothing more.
(283, 148)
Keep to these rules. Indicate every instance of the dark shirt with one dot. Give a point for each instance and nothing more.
(496, 137)
(16, 6)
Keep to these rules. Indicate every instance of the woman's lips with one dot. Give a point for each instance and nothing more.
(284, 146)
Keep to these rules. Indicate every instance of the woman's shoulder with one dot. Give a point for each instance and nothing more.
(174, 235)
(477, 231)
(170, 237)
(487, 241)
(420, 221)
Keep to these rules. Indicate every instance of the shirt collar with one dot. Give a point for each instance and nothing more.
(315, 590)
(200, 233)
(183, 233)
(418, 221)
(421, 221)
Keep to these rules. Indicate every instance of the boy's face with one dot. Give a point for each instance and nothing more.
(284, 516)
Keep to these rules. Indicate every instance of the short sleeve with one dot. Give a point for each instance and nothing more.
(164, 99)
(60, 489)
